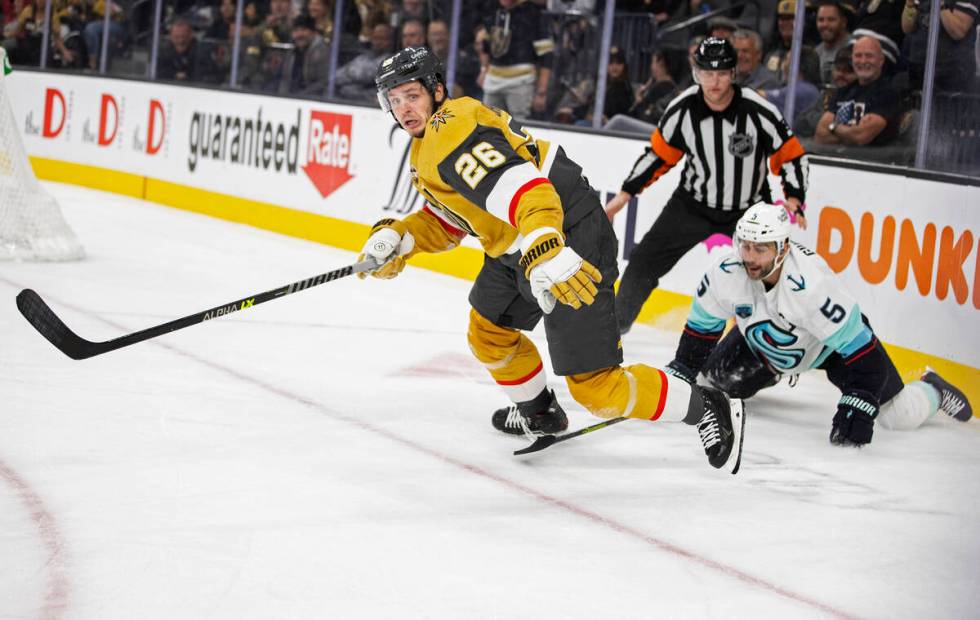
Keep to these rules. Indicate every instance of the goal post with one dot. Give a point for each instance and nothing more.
(32, 227)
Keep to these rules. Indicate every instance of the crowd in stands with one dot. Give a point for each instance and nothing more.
(859, 81)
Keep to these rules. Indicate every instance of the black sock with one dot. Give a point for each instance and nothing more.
(695, 407)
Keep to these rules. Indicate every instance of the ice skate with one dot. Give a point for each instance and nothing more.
(952, 401)
(721, 427)
(552, 420)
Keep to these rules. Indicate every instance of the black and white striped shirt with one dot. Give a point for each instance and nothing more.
(727, 152)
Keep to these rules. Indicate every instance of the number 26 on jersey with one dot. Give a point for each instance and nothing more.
(468, 165)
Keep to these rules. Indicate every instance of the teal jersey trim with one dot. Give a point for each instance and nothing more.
(853, 335)
(822, 357)
(701, 321)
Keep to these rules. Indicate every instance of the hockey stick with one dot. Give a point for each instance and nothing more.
(47, 323)
(546, 441)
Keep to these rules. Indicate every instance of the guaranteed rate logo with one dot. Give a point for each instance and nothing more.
(328, 151)
(254, 142)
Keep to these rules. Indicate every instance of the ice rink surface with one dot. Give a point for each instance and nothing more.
(329, 455)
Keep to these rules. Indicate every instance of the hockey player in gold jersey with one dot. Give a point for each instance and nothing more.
(550, 252)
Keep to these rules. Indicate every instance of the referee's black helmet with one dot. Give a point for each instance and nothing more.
(715, 54)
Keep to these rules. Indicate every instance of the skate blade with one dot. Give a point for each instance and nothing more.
(738, 425)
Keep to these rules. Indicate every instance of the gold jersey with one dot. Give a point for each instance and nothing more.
(482, 174)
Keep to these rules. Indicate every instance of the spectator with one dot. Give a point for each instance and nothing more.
(68, 46)
(412, 33)
(832, 26)
(278, 26)
(219, 36)
(619, 94)
(223, 23)
(749, 71)
(250, 75)
(184, 58)
(437, 34)
(785, 20)
(322, 17)
(619, 88)
(308, 64)
(371, 13)
(668, 68)
(23, 36)
(468, 68)
(867, 112)
(322, 13)
(807, 92)
(955, 59)
(355, 80)
(251, 19)
(517, 56)
(881, 19)
(722, 28)
(94, 29)
(410, 9)
(682, 75)
(842, 75)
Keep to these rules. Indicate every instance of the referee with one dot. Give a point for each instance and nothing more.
(728, 133)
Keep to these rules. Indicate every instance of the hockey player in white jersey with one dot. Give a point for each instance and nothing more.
(793, 315)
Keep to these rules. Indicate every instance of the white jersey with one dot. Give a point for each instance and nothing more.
(794, 325)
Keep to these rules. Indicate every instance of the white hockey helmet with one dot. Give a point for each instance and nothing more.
(764, 223)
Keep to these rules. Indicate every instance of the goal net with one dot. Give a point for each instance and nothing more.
(31, 224)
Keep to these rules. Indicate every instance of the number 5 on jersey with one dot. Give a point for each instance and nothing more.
(468, 164)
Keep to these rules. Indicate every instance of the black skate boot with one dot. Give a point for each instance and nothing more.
(952, 401)
(549, 421)
(721, 427)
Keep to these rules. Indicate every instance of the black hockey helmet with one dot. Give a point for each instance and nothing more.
(715, 54)
(409, 65)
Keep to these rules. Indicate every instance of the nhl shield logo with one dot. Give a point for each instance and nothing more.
(743, 311)
(741, 144)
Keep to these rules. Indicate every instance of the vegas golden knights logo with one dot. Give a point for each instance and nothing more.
(500, 35)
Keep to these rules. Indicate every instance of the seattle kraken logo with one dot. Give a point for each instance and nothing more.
(771, 341)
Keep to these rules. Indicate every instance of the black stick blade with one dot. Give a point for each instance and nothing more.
(47, 323)
(539, 444)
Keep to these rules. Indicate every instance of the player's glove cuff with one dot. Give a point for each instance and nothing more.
(540, 245)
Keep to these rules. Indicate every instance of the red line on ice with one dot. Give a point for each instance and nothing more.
(565, 505)
(56, 592)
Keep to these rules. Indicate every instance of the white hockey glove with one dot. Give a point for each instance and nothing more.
(557, 273)
(389, 242)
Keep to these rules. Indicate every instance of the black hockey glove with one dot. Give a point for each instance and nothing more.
(680, 371)
(854, 422)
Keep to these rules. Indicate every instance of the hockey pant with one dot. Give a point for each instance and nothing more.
(636, 391)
